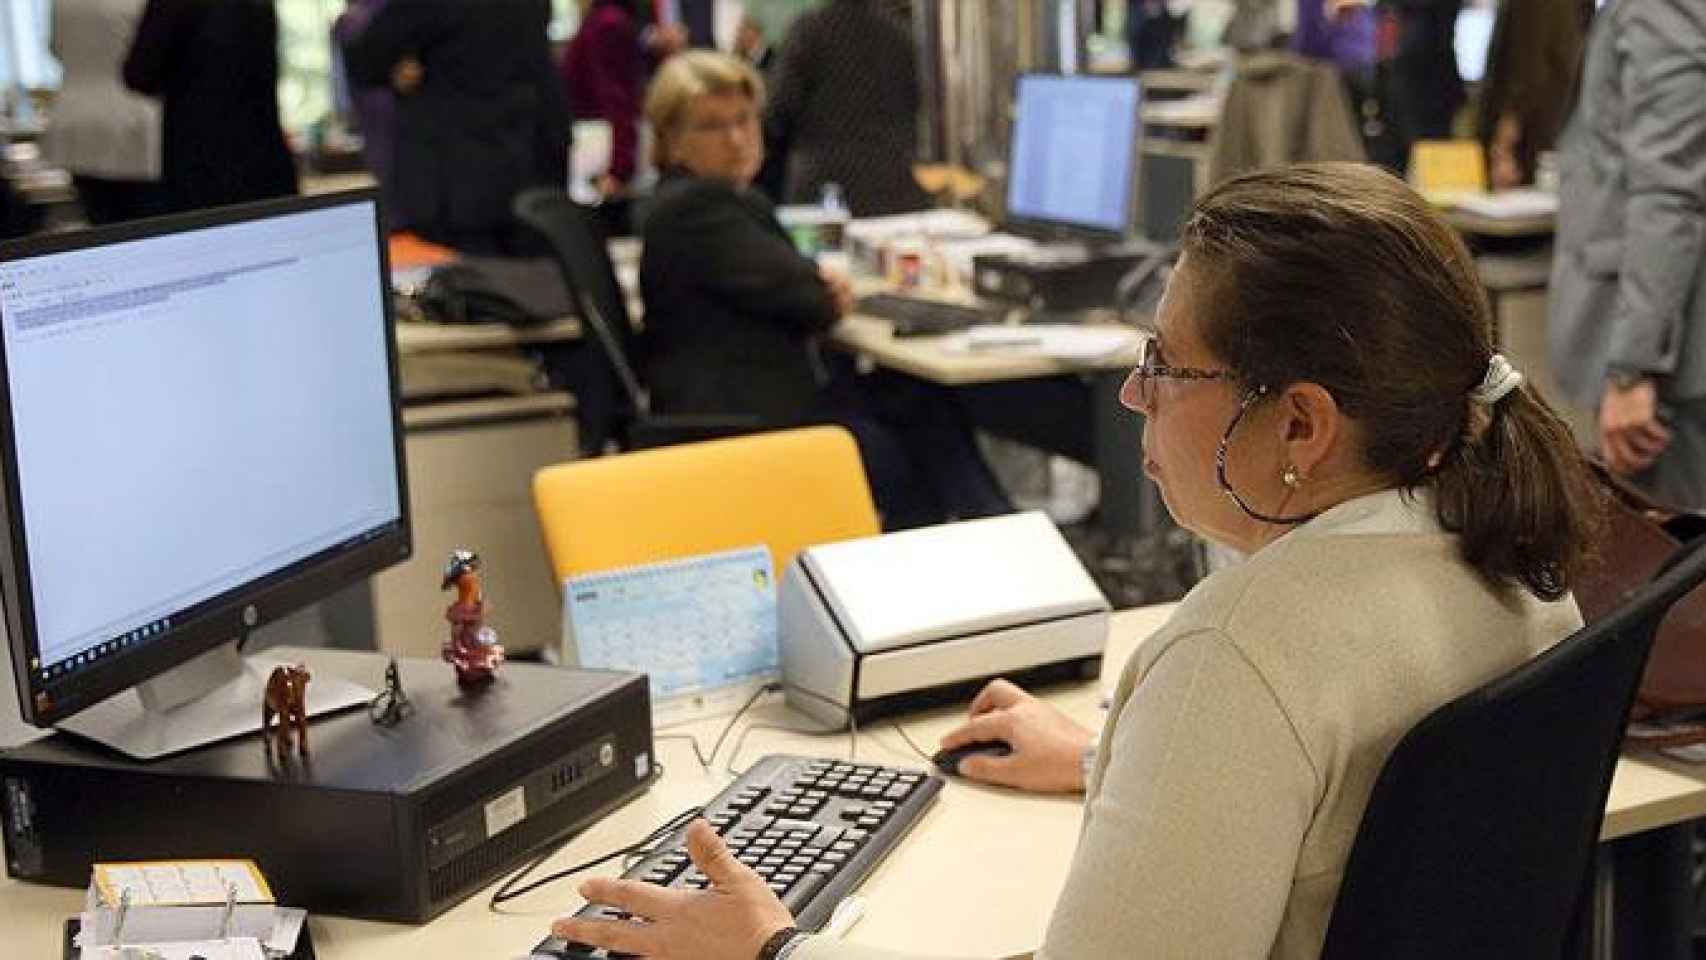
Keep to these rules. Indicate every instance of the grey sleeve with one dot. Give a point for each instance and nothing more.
(1663, 49)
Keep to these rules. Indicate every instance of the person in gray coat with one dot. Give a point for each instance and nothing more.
(1628, 316)
(845, 108)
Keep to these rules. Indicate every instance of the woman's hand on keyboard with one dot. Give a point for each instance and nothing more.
(1048, 746)
(730, 921)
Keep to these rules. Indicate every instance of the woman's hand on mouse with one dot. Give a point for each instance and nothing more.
(1048, 746)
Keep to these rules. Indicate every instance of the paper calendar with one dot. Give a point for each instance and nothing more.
(703, 628)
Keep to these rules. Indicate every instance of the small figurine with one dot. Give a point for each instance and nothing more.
(473, 647)
(287, 696)
(392, 704)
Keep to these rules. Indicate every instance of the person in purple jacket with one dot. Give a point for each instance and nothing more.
(604, 75)
(375, 107)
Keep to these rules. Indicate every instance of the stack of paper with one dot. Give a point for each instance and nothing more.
(1511, 204)
(1059, 342)
(179, 903)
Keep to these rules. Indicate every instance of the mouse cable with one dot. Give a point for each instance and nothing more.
(915, 748)
(508, 891)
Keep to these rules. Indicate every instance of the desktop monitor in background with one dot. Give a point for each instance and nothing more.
(1071, 168)
(199, 433)
(1471, 40)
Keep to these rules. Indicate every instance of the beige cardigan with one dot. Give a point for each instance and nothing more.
(1246, 734)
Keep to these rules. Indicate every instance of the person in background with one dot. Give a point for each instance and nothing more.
(213, 64)
(375, 105)
(1413, 515)
(486, 120)
(106, 136)
(1342, 32)
(752, 46)
(1426, 91)
(604, 73)
(1151, 29)
(846, 104)
(734, 313)
(1535, 56)
(1627, 322)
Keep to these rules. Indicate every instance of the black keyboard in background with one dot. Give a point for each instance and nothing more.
(916, 317)
(813, 828)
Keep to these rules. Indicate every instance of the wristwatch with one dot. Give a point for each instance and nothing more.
(1624, 378)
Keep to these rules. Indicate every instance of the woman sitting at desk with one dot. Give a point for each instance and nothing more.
(1322, 395)
(734, 314)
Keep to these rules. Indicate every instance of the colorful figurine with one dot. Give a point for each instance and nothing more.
(473, 647)
(287, 697)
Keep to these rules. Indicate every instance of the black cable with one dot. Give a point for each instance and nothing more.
(706, 761)
(772, 687)
(508, 891)
(852, 721)
(915, 749)
(852, 728)
(699, 755)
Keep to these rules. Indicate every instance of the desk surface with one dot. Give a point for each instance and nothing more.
(418, 338)
(971, 912)
(1464, 221)
(930, 358)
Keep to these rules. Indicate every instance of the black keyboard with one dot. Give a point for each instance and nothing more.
(916, 317)
(813, 828)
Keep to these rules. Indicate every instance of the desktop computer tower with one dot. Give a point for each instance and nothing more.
(388, 823)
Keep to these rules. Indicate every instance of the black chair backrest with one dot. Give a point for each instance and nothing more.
(578, 240)
(1478, 839)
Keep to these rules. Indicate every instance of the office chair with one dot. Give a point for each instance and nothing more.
(788, 489)
(1479, 837)
(617, 404)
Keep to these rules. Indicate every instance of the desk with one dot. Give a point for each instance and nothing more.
(1475, 224)
(414, 339)
(1067, 408)
(971, 912)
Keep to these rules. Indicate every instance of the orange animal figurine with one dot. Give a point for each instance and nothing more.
(472, 647)
(287, 696)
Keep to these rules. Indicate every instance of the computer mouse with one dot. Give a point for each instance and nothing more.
(948, 761)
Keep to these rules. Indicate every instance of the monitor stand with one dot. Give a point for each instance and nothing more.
(216, 696)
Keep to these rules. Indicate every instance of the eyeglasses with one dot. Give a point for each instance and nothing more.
(739, 123)
(1244, 404)
(1138, 392)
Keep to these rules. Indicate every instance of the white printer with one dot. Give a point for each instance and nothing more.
(923, 615)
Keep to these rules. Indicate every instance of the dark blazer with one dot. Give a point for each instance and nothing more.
(846, 98)
(1426, 90)
(731, 308)
(489, 119)
(214, 66)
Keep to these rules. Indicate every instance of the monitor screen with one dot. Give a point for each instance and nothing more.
(200, 415)
(1074, 153)
(1471, 41)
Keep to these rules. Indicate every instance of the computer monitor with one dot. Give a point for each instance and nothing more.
(1072, 162)
(199, 433)
(1471, 41)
